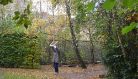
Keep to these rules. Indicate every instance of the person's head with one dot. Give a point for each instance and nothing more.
(54, 46)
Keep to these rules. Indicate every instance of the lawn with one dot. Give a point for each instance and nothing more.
(45, 72)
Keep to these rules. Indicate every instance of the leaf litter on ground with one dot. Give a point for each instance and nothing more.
(47, 72)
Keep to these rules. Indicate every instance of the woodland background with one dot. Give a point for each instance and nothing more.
(87, 31)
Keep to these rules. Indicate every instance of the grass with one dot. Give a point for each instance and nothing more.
(16, 76)
(45, 72)
(20, 73)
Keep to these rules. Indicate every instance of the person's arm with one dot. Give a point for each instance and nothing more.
(54, 49)
(58, 50)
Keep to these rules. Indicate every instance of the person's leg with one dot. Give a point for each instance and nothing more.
(56, 67)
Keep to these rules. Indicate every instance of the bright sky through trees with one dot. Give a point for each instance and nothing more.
(46, 6)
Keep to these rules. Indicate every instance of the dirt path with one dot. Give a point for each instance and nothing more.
(84, 75)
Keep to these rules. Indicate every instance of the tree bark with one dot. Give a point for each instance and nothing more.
(91, 47)
(119, 37)
(74, 37)
(122, 47)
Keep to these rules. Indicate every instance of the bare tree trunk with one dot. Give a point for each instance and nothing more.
(74, 37)
(53, 23)
(40, 7)
(41, 15)
(122, 46)
(49, 57)
(2, 18)
(119, 37)
(91, 46)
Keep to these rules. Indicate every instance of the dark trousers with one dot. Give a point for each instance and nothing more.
(56, 67)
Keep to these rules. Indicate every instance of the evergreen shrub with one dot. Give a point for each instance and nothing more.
(18, 50)
(113, 59)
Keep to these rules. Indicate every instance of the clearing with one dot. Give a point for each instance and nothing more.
(47, 72)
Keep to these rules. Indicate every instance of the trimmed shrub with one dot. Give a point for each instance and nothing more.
(18, 50)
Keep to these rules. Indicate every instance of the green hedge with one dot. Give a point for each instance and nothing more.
(18, 50)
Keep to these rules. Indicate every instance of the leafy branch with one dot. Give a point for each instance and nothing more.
(23, 18)
(5, 2)
(109, 4)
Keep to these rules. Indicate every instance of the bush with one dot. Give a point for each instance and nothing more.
(114, 60)
(17, 50)
(74, 62)
(86, 62)
(77, 62)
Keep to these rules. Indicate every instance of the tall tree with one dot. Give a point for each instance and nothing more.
(73, 36)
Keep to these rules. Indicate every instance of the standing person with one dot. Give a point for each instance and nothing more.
(56, 57)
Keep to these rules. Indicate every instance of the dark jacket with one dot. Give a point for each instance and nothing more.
(56, 54)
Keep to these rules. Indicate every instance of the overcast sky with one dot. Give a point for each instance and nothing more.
(46, 7)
